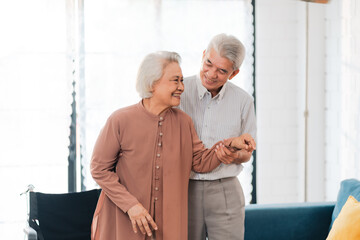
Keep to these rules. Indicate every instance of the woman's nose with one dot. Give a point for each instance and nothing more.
(181, 86)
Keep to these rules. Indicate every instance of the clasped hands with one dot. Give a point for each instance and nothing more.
(236, 150)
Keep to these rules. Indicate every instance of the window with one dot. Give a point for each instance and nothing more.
(34, 105)
(115, 46)
(46, 44)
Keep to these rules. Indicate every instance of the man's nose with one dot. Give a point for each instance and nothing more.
(212, 73)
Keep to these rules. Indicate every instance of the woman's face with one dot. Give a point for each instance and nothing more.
(167, 90)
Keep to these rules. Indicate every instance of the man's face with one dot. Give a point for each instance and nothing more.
(215, 71)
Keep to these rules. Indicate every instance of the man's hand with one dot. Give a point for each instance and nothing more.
(239, 150)
(245, 141)
(229, 155)
(140, 217)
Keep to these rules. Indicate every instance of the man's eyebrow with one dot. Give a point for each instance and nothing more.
(222, 69)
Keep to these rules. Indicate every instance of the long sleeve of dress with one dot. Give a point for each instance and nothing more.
(103, 162)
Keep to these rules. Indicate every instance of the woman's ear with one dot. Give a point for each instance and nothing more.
(153, 87)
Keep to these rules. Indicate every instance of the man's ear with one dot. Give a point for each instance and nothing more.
(234, 73)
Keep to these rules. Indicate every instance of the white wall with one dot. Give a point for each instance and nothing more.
(342, 94)
(333, 139)
(279, 64)
(315, 150)
(333, 95)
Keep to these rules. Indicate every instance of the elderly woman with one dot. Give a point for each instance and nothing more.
(143, 157)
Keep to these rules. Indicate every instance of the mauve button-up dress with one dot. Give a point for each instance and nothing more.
(157, 154)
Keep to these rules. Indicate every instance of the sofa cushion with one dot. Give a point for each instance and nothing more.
(346, 225)
(288, 221)
(348, 187)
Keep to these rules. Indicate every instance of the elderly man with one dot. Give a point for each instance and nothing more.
(219, 110)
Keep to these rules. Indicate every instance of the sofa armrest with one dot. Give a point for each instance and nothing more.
(288, 221)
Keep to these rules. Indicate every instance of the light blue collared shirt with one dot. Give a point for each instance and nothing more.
(229, 114)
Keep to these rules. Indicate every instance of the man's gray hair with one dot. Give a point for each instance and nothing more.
(151, 70)
(229, 47)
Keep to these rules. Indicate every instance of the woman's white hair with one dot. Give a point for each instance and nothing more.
(229, 47)
(151, 70)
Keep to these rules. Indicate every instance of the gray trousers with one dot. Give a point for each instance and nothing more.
(216, 210)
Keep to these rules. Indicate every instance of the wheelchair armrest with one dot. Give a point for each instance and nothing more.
(30, 233)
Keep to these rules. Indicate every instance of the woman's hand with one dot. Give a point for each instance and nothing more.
(139, 216)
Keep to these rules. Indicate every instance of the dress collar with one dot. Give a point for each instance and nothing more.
(160, 117)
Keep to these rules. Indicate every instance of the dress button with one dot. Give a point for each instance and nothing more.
(159, 144)
(156, 178)
(161, 134)
(160, 123)
(158, 155)
(161, 118)
(156, 189)
(156, 199)
(157, 167)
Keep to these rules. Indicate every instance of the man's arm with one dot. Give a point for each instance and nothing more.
(248, 126)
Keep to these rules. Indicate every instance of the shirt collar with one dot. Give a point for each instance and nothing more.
(202, 90)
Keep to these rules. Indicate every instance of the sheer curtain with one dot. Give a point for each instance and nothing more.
(118, 34)
(35, 97)
(37, 47)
